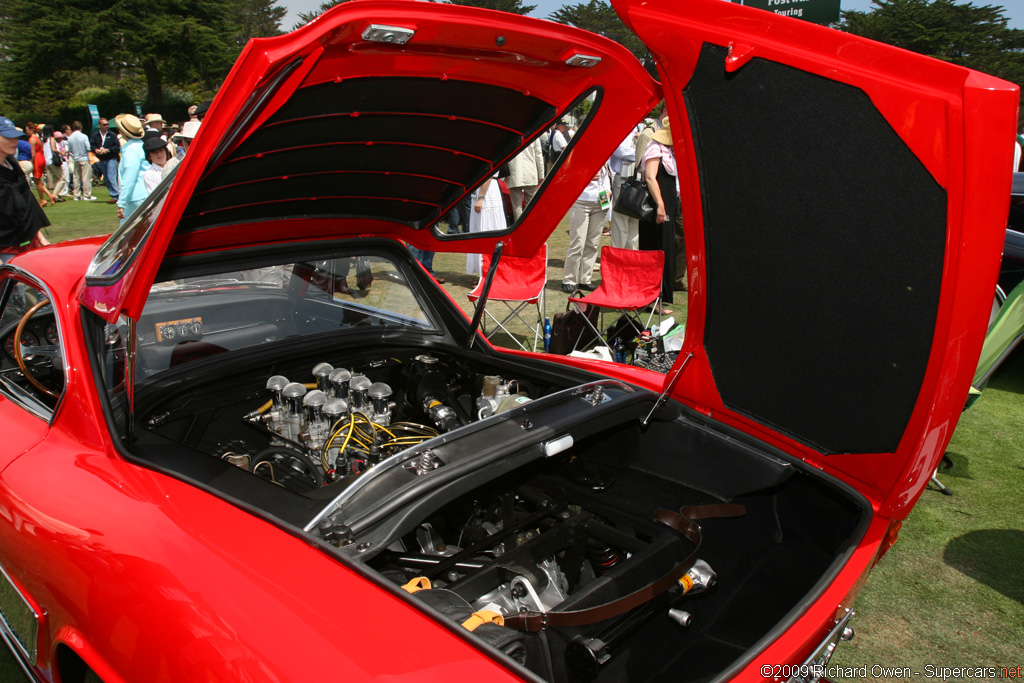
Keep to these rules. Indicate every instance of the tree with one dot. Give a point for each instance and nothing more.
(306, 17)
(257, 19)
(973, 36)
(48, 42)
(35, 46)
(597, 16)
(513, 6)
(187, 43)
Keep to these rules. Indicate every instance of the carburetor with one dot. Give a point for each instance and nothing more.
(305, 414)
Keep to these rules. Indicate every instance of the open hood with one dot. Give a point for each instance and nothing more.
(844, 201)
(374, 120)
(844, 205)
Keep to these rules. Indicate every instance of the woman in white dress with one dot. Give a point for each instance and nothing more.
(487, 214)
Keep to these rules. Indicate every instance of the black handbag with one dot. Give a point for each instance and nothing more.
(635, 200)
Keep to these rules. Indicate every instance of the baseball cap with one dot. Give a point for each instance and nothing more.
(7, 128)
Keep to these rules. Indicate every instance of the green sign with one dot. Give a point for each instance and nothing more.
(94, 112)
(817, 11)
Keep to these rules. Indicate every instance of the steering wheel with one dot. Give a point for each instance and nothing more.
(46, 350)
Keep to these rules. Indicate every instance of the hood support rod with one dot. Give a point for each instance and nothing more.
(129, 381)
(481, 303)
(668, 388)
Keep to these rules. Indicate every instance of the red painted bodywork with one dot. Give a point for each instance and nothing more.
(117, 556)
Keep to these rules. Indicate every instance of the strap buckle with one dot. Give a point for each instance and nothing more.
(420, 583)
(484, 616)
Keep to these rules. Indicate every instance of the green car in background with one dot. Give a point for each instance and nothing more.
(1006, 327)
(1004, 333)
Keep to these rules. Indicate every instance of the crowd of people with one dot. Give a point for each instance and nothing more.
(134, 156)
(63, 162)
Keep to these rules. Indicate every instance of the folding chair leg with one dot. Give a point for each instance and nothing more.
(655, 311)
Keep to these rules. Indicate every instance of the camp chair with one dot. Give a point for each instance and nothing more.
(630, 282)
(518, 284)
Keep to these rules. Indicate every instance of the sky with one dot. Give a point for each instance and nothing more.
(1014, 8)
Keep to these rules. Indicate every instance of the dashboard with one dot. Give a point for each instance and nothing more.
(41, 329)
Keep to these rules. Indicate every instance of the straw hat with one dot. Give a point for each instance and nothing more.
(664, 136)
(188, 131)
(155, 118)
(129, 125)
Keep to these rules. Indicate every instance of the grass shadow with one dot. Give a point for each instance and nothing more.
(960, 468)
(992, 557)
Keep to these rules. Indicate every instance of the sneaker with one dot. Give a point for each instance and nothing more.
(567, 288)
(589, 286)
(78, 199)
(90, 199)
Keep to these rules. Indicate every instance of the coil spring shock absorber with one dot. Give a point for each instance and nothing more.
(602, 556)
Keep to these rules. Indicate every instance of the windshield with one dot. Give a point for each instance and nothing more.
(196, 316)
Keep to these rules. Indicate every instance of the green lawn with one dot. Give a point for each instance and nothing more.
(951, 591)
(71, 219)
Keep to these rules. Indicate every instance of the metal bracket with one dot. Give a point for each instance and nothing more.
(393, 35)
(586, 61)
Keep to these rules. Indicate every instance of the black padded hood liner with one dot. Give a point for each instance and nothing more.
(825, 240)
(401, 149)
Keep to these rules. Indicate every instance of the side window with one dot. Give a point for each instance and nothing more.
(31, 366)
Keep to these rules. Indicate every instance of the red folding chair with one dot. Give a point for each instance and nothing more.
(630, 282)
(518, 283)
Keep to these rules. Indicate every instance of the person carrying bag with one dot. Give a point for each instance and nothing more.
(635, 199)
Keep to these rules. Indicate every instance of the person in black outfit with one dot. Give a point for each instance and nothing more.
(21, 217)
(660, 172)
(107, 149)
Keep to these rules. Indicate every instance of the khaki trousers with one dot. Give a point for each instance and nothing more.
(586, 220)
(83, 178)
(55, 179)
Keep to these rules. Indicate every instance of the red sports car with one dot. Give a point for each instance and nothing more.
(250, 439)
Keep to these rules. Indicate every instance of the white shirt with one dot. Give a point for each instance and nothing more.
(624, 155)
(152, 177)
(78, 145)
(600, 182)
(558, 142)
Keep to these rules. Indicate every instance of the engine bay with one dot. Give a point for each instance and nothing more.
(576, 531)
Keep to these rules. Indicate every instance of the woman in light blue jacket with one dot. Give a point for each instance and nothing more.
(133, 164)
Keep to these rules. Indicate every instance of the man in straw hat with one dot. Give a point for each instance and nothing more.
(133, 157)
(187, 134)
(155, 122)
